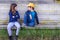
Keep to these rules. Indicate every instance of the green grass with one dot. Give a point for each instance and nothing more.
(34, 34)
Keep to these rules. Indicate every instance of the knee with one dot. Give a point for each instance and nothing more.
(18, 27)
(32, 25)
(8, 28)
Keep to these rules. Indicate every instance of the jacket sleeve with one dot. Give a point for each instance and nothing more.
(37, 21)
(18, 15)
(25, 18)
(10, 15)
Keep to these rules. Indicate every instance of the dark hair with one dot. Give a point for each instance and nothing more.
(14, 5)
(31, 7)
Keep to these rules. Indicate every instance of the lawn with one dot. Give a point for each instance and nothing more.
(33, 34)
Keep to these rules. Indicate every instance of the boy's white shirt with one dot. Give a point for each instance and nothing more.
(30, 16)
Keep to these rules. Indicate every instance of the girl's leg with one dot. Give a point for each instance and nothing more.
(10, 25)
(17, 31)
(18, 28)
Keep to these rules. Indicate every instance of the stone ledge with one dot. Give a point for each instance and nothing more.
(40, 26)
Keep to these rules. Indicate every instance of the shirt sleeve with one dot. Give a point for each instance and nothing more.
(10, 15)
(18, 15)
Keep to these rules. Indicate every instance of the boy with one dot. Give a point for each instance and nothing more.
(30, 16)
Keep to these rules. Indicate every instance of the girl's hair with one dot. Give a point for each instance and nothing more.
(14, 5)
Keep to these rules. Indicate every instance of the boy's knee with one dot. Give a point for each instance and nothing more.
(32, 25)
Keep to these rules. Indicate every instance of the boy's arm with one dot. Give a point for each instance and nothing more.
(25, 18)
(36, 18)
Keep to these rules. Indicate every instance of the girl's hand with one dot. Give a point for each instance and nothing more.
(19, 20)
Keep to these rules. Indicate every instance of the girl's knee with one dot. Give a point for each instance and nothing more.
(8, 27)
(18, 27)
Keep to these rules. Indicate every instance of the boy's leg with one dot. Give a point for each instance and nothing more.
(10, 25)
(31, 24)
(17, 30)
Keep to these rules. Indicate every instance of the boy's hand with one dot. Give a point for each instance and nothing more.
(23, 25)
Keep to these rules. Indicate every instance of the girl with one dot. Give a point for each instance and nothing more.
(30, 16)
(13, 20)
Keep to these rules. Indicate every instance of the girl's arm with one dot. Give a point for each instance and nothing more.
(18, 18)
